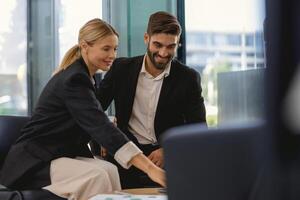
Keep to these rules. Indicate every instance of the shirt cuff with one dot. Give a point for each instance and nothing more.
(126, 153)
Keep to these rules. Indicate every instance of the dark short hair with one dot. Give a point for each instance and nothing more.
(163, 22)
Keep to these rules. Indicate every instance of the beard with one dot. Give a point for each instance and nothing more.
(157, 65)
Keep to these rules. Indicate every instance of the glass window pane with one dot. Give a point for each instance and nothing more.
(72, 16)
(228, 51)
(130, 19)
(54, 27)
(13, 52)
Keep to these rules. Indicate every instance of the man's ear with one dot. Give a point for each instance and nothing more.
(146, 39)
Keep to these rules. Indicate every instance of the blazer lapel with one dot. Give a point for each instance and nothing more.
(133, 79)
(164, 92)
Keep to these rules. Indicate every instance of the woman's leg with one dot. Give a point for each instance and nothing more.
(110, 168)
(78, 179)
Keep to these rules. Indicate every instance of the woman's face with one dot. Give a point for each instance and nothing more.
(102, 53)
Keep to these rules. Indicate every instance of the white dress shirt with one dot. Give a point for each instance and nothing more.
(148, 88)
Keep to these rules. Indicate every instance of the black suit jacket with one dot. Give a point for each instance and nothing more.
(180, 101)
(66, 117)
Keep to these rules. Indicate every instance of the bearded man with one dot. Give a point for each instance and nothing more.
(152, 93)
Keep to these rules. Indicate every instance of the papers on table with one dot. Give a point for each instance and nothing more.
(128, 197)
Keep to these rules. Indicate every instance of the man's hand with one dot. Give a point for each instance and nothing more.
(157, 157)
(103, 152)
(113, 119)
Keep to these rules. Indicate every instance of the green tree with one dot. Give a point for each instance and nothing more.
(210, 92)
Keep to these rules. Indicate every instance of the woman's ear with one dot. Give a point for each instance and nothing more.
(83, 46)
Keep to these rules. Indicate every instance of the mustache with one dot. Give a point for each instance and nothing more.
(157, 55)
(159, 65)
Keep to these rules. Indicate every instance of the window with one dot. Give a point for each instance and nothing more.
(130, 19)
(234, 39)
(232, 67)
(197, 39)
(13, 52)
(252, 54)
(53, 29)
(74, 11)
(250, 40)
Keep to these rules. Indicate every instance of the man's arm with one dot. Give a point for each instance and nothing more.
(195, 111)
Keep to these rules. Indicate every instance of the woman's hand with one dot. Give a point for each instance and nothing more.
(155, 173)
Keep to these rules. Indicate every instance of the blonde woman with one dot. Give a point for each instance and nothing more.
(52, 151)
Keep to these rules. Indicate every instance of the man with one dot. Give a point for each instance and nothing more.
(152, 93)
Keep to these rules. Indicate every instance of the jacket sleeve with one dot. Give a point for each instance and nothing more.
(195, 111)
(81, 101)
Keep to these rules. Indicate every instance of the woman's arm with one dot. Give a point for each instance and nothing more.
(155, 173)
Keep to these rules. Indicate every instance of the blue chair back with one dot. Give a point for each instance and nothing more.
(10, 129)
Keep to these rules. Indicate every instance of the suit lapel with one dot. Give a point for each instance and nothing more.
(164, 93)
(132, 79)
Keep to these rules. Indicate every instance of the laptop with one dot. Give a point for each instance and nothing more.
(215, 164)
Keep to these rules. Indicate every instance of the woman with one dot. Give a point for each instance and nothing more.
(52, 151)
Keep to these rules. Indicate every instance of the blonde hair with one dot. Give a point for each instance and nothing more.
(92, 31)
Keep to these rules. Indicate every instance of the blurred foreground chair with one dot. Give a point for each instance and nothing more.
(228, 163)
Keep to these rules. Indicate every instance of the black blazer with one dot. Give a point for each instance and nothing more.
(180, 101)
(66, 117)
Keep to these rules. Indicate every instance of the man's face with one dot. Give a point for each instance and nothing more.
(161, 48)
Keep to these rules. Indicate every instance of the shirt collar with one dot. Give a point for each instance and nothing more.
(165, 73)
(93, 80)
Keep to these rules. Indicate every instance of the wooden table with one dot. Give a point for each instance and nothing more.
(128, 192)
(145, 191)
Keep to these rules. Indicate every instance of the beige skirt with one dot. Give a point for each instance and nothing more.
(82, 178)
